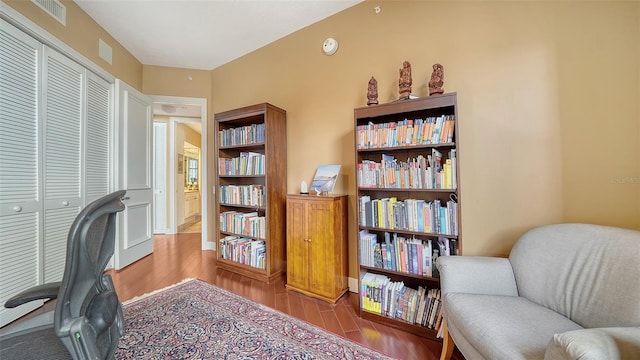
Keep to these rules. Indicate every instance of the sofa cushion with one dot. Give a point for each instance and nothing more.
(589, 273)
(504, 327)
(596, 344)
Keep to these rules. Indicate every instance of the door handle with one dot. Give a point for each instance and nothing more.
(125, 198)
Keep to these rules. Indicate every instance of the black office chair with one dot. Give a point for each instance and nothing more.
(87, 321)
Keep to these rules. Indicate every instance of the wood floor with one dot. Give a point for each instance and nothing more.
(177, 257)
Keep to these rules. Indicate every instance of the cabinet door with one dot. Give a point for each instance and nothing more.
(97, 179)
(323, 264)
(297, 246)
(62, 120)
(20, 201)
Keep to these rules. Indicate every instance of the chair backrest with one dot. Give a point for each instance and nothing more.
(88, 316)
(589, 273)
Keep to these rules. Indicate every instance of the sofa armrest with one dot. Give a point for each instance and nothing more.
(596, 344)
(476, 275)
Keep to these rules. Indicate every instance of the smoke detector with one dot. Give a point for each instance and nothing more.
(330, 46)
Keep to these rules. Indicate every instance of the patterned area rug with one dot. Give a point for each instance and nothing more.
(196, 320)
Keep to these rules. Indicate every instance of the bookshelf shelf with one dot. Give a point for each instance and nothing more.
(408, 179)
(367, 188)
(410, 328)
(244, 235)
(240, 206)
(243, 147)
(251, 153)
(406, 232)
(411, 147)
(372, 269)
(240, 268)
(240, 176)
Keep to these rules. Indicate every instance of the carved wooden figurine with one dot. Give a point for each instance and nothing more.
(405, 80)
(437, 80)
(372, 92)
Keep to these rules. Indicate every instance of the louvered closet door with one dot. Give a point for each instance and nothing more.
(19, 171)
(97, 139)
(62, 128)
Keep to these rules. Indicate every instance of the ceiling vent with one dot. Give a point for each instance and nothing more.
(53, 8)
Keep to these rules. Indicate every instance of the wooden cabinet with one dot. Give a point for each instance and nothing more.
(191, 206)
(317, 243)
(251, 183)
(408, 208)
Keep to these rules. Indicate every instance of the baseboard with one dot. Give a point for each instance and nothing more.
(188, 222)
(353, 285)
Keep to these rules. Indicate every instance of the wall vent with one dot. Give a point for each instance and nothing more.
(53, 8)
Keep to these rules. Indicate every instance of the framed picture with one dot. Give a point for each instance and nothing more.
(180, 164)
(325, 178)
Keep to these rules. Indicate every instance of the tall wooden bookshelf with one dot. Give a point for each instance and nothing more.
(250, 181)
(406, 173)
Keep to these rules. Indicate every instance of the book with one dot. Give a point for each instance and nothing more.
(394, 256)
(421, 303)
(364, 291)
(364, 208)
(377, 256)
(426, 258)
(397, 302)
(451, 129)
(438, 318)
(434, 310)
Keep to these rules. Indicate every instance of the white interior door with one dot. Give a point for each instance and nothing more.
(160, 177)
(135, 144)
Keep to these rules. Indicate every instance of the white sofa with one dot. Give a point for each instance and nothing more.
(567, 291)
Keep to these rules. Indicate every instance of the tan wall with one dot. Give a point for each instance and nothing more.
(599, 87)
(82, 33)
(168, 81)
(547, 93)
(547, 100)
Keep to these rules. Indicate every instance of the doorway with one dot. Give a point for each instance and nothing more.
(188, 177)
(182, 116)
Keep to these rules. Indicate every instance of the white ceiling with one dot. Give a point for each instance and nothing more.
(204, 34)
(180, 110)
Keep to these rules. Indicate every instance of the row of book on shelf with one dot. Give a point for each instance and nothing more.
(248, 163)
(243, 250)
(407, 132)
(246, 195)
(393, 299)
(408, 255)
(242, 135)
(416, 173)
(417, 215)
(249, 224)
